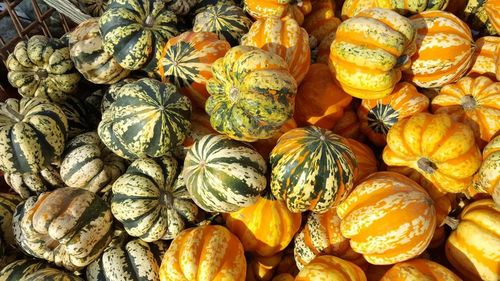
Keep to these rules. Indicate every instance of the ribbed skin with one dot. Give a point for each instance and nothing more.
(419, 269)
(51, 274)
(367, 163)
(8, 203)
(486, 57)
(328, 268)
(492, 8)
(19, 269)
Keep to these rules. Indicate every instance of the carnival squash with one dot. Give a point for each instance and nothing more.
(19, 269)
(348, 126)
(485, 60)
(419, 269)
(487, 179)
(367, 162)
(8, 203)
(321, 21)
(327, 268)
(181, 7)
(492, 8)
(278, 9)
(51, 274)
(353, 7)
(27, 184)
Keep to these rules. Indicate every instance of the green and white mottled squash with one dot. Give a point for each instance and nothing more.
(181, 7)
(41, 67)
(18, 270)
(8, 203)
(223, 175)
(27, 184)
(51, 274)
(81, 117)
(112, 92)
(147, 119)
(32, 134)
(94, 8)
(134, 31)
(476, 16)
(87, 163)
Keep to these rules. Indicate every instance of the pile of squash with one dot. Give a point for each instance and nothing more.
(213, 140)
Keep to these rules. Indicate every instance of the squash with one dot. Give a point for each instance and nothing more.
(348, 125)
(261, 268)
(369, 52)
(475, 14)
(41, 67)
(487, 178)
(51, 274)
(441, 149)
(94, 8)
(437, 65)
(285, 38)
(492, 8)
(147, 119)
(312, 169)
(8, 203)
(323, 50)
(266, 227)
(88, 163)
(283, 277)
(485, 58)
(265, 146)
(134, 32)
(79, 222)
(200, 127)
(204, 253)
(186, 61)
(296, 10)
(319, 100)
(353, 7)
(91, 60)
(419, 269)
(110, 94)
(321, 21)
(325, 268)
(223, 175)
(473, 101)
(27, 184)
(473, 247)
(367, 163)
(251, 94)
(392, 208)
(81, 116)
(379, 115)
(181, 7)
(19, 269)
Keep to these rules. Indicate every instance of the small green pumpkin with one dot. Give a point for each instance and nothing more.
(27, 184)
(18, 270)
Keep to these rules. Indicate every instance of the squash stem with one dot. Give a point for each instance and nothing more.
(426, 165)
(452, 222)
(468, 102)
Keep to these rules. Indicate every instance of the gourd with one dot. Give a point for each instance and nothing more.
(278, 9)
(27, 184)
(321, 21)
(331, 268)
(492, 8)
(404, 7)
(81, 116)
(51, 274)
(348, 125)
(419, 269)
(486, 57)
(19, 269)
(94, 8)
(262, 268)
(367, 162)
(265, 146)
(181, 7)
(8, 203)
(487, 178)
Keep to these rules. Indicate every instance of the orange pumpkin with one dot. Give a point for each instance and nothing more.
(321, 21)
(485, 58)
(265, 146)
(262, 268)
(379, 115)
(473, 248)
(441, 149)
(348, 125)
(487, 180)
(367, 163)
(260, 9)
(328, 268)
(419, 269)
(492, 8)
(388, 217)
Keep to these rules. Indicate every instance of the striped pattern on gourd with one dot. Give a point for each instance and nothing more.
(80, 118)
(419, 269)
(181, 7)
(223, 175)
(485, 60)
(27, 184)
(51, 274)
(19, 269)
(112, 92)
(488, 177)
(492, 8)
(326, 268)
(94, 8)
(352, 7)
(8, 203)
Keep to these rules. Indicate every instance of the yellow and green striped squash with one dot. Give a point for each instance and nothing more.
(202, 5)
(251, 94)
(27, 184)
(147, 119)
(17, 270)
(351, 7)
(110, 94)
(223, 175)
(312, 169)
(51, 274)
(94, 8)
(8, 203)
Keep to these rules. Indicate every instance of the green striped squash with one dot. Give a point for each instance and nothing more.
(8, 203)
(181, 7)
(223, 175)
(32, 134)
(111, 93)
(134, 31)
(148, 204)
(51, 274)
(94, 8)
(81, 117)
(41, 67)
(19, 269)
(312, 169)
(202, 5)
(147, 119)
(87, 163)
(27, 184)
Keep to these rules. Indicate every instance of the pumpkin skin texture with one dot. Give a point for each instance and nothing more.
(353, 7)
(200, 127)
(259, 9)
(251, 94)
(473, 248)
(485, 61)
(81, 116)
(186, 61)
(312, 169)
(473, 101)
(387, 206)
(27, 184)
(8, 203)
(321, 21)
(326, 268)
(435, 65)
(377, 116)
(19, 269)
(135, 31)
(492, 8)
(223, 175)
(204, 253)
(94, 8)
(262, 268)
(367, 163)
(419, 269)
(285, 38)
(487, 179)
(477, 18)
(369, 52)
(51, 274)
(348, 126)
(147, 119)
(441, 149)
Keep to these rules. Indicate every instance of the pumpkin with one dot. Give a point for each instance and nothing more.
(148, 118)
(110, 94)
(473, 101)
(487, 178)
(223, 175)
(441, 149)
(262, 268)
(492, 8)
(94, 8)
(473, 247)
(392, 208)
(88, 163)
(228, 21)
(321, 21)
(251, 94)
(51, 274)
(134, 32)
(369, 52)
(264, 228)
(312, 169)
(204, 253)
(200, 127)
(437, 65)
(377, 116)
(79, 222)
(476, 16)
(265, 146)
(81, 116)
(90, 58)
(181, 7)
(8, 203)
(367, 163)
(202, 5)
(27, 184)
(186, 61)
(19, 269)
(419, 269)
(323, 52)
(32, 134)
(485, 58)
(41, 67)
(324, 268)
(353, 7)
(319, 100)
(259, 9)
(348, 125)
(285, 38)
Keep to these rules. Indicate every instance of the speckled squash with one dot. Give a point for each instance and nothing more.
(321, 21)
(265, 146)
(204, 253)
(353, 7)
(485, 60)
(278, 9)
(94, 8)
(444, 49)
(261, 268)
(200, 127)
(312, 169)
(8, 203)
(181, 7)
(251, 94)
(441, 149)
(327, 268)
(477, 17)
(388, 217)
(19, 269)
(81, 116)
(487, 179)
(348, 126)
(379, 115)
(223, 175)
(419, 269)
(186, 61)
(492, 8)
(110, 94)
(41, 67)
(27, 184)
(51, 274)
(473, 248)
(369, 52)
(202, 5)
(367, 162)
